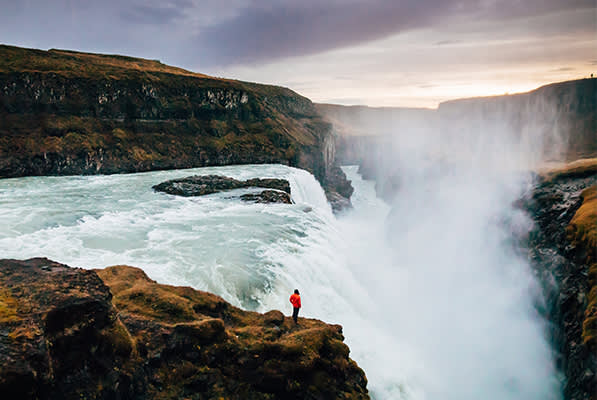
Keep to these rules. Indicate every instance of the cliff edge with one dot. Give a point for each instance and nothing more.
(116, 334)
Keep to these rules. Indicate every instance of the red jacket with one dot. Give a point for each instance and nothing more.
(295, 299)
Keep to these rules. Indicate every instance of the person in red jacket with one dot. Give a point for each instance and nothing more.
(295, 299)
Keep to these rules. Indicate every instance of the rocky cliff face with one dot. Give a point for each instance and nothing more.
(67, 113)
(563, 252)
(560, 120)
(115, 334)
(562, 116)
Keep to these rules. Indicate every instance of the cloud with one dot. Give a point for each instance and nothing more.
(151, 15)
(564, 69)
(447, 42)
(211, 34)
(275, 30)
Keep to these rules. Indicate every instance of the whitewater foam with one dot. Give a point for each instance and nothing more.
(372, 270)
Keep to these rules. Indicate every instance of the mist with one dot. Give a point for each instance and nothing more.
(455, 301)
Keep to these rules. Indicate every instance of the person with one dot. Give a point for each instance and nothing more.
(295, 300)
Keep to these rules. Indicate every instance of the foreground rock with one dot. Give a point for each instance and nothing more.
(199, 185)
(114, 333)
(562, 250)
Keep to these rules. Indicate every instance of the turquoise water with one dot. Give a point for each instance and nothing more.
(432, 303)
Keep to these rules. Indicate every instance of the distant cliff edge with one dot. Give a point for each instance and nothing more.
(561, 117)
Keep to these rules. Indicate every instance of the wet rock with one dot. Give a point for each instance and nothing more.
(563, 267)
(267, 196)
(338, 202)
(199, 185)
(338, 189)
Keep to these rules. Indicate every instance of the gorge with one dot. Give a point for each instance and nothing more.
(460, 272)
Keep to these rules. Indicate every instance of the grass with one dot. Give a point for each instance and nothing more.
(578, 168)
(8, 307)
(73, 63)
(175, 127)
(589, 326)
(582, 232)
(136, 294)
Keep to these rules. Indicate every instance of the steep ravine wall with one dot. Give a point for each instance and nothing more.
(563, 253)
(65, 113)
(559, 119)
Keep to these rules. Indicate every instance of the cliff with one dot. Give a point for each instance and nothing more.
(563, 253)
(560, 119)
(563, 115)
(71, 333)
(64, 112)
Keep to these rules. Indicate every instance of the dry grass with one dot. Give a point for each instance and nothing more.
(582, 232)
(585, 166)
(135, 293)
(8, 307)
(589, 326)
(15, 59)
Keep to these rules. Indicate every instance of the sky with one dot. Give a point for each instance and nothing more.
(407, 53)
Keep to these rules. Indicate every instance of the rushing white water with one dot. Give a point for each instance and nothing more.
(433, 304)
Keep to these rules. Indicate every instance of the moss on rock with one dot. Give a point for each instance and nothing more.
(115, 333)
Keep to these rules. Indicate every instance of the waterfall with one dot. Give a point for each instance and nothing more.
(432, 302)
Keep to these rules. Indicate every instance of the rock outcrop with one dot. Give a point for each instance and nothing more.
(267, 196)
(200, 185)
(563, 254)
(70, 333)
(70, 113)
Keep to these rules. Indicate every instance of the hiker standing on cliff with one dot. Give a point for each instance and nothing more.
(295, 299)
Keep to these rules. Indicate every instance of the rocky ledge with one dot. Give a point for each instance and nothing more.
(71, 333)
(563, 254)
(200, 185)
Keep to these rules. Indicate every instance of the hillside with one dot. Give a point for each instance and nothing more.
(64, 112)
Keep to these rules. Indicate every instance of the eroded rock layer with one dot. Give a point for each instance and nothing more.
(563, 253)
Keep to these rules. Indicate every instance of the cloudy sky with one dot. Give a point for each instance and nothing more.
(374, 52)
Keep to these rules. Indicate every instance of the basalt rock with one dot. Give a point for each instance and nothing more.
(267, 196)
(199, 185)
(70, 333)
(565, 264)
(338, 189)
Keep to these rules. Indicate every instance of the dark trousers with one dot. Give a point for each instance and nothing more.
(295, 315)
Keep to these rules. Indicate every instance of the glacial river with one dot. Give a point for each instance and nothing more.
(434, 303)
